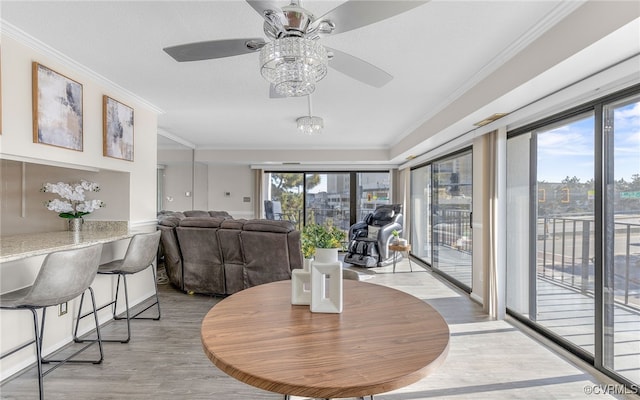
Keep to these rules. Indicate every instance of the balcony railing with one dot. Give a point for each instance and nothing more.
(566, 255)
(452, 228)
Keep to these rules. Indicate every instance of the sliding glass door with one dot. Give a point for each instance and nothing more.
(284, 196)
(328, 199)
(373, 189)
(451, 217)
(441, 204)
(421, 212)
(573, 231)
(621, 275)
(565, 229)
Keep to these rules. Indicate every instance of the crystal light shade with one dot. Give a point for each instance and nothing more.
(293, 65)
(310, 125)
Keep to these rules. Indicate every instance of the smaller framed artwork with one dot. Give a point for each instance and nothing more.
(117, 137)
(57, 109)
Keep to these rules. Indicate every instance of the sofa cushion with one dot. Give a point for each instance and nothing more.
(168, 220)
(230, 245)
(219, 214)
(202, 260)
(196, 213)
(266, 256)
(265, 225)
(166, 213)
(202, 222)
(233, 224)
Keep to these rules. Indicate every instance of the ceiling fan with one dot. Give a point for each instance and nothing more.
(294, 61)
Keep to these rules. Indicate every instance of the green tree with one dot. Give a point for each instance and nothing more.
(288, 189)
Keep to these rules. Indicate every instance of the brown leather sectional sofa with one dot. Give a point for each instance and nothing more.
(212, 253)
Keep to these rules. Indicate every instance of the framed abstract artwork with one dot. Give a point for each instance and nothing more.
(57, 109)
(117, 138)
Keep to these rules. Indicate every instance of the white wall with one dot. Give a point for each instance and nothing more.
(22, 204)
(16, 141)
(200, 186)
(177, 182)
(238, 182)
(134, 182)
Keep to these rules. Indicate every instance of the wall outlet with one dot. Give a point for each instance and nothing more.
(62, 309)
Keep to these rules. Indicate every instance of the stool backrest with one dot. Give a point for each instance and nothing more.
(142, 249)
(64, 275)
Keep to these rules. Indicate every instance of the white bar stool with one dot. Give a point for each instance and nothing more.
(140, 254)
(63, 276)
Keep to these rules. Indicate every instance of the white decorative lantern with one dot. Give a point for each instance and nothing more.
(300, 287)
(326, 287)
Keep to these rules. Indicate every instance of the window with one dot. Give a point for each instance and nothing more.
(564, 242)
(621, 275)
(421, 212)
(284, 196)
(573, 231)
(337, 198)
(328, 199)
(441, 204)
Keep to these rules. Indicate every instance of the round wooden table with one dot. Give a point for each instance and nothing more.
(383, 340)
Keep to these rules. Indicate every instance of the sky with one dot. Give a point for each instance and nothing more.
(568, 150)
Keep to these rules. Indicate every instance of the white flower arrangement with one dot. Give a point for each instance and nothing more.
(73, 204)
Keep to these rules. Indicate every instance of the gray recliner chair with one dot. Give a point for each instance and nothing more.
(369, 239)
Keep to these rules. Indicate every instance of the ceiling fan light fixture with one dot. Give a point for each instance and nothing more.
(293, 65)
(310, 125)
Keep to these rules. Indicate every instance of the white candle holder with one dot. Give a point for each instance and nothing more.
(326, 287)
(300, 287)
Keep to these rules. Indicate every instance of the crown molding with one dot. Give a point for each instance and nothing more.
(175, 138)
(315, 167)
(23, 37)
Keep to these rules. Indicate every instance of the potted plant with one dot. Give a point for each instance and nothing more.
(322, 241)
(73, 205)
(396, 236)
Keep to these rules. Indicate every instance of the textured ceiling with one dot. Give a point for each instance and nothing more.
(435, 52)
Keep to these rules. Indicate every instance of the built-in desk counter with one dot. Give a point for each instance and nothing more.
(21, 257)
(16, 247)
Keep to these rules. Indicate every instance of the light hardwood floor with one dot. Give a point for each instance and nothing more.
(487, 359)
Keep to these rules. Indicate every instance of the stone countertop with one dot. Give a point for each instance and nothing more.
(16, 247)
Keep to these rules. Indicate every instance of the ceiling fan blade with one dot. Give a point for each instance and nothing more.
(266, 9)
(358, 69)
(358, 13)
(214, 49)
